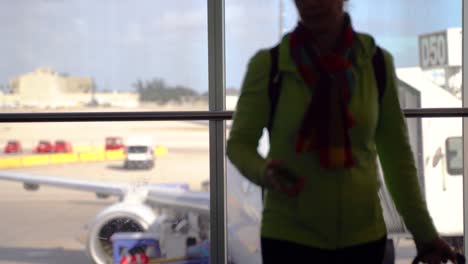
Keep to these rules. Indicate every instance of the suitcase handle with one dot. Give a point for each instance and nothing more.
(460, 259)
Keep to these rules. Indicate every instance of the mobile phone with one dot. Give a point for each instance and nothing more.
(291, 183)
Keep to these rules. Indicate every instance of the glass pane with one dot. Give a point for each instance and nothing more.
(102, 179)
(83, 55)
(427, 57)
(244, 211)
(243, 197)
(262, 23)
(442, 187)
(426, 52)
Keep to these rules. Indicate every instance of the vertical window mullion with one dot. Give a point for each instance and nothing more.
(465, 126)
(216, 72)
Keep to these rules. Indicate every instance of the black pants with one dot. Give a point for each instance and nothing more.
(280, 251)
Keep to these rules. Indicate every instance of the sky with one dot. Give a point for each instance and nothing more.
(117, 42)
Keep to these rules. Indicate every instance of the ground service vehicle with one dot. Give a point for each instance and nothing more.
(62, 146)
(114, 143)
(139, 153)
(13, 146)
(44, 146)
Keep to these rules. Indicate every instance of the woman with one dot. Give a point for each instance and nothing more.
(327, 130)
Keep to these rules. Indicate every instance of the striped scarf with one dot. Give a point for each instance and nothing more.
(327, 121)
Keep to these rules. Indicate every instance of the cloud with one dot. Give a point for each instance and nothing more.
(183, 20)
(79, 22)
(133, 34)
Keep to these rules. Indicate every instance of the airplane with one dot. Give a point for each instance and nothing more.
(169, 210)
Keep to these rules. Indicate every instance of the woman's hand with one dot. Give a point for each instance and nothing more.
(282, 180)
(435, 252)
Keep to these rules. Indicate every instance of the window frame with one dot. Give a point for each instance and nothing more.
(217, 115)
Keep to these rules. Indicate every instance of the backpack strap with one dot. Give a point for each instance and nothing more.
(378, 63)
(274, 89)
(274, 85)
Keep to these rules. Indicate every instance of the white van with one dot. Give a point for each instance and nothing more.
(139, 153)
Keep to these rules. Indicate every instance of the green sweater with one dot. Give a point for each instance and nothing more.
(341, 207)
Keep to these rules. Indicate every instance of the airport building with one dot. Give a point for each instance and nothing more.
(46, 88)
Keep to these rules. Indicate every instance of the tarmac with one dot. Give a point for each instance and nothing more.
(47, 226)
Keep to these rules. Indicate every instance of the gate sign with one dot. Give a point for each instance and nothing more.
(433, 50)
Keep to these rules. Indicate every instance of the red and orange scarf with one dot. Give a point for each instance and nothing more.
(327, 121)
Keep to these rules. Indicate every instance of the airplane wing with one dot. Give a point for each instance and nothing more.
(162, 196)
(33, 181)
(184, 200)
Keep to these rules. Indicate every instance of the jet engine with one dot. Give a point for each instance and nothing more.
(122, 217)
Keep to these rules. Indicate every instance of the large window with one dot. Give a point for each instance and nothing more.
(158, 56)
